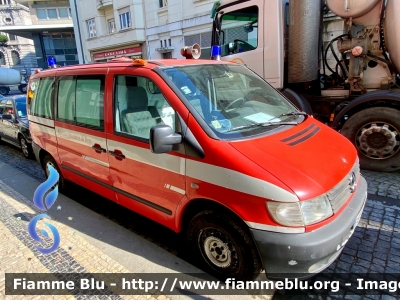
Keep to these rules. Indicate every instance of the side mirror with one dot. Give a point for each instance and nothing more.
(162, 139)
(248, 27)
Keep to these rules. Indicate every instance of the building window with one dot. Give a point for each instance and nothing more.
(53, 13)
(111, 26)
(15, 58)
(125, 20)
(12, 37)
(169, 42)
(163, 3)
(91, 28)
(2, 59)
(63, 13)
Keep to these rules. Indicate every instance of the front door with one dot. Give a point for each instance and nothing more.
(151, 184)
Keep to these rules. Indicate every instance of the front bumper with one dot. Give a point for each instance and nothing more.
(302, 255)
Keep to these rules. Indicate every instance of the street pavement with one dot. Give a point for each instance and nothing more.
(99, 236)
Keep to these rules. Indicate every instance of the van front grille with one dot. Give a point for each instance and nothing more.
(341, 192)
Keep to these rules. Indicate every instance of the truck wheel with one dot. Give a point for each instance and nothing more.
(25, 147)
(3, 90)
(222, 246)
(49, 160)
(22, 88)
(376, 134)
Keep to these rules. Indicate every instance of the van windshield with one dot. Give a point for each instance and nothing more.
(232, 100)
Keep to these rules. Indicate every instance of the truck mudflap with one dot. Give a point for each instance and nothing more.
(304, 254)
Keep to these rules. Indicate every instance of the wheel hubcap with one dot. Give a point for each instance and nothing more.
(378, 140)
(24, 147)
(218, 249)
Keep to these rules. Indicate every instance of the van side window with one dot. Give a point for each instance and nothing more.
(80, 101)
(66, 99)
(138, 107)
(90, 101)
(41, 104)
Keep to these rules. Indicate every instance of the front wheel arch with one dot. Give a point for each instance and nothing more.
(368, 100)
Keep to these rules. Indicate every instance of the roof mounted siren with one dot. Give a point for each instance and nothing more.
(52, 62)
(216, 52)
(193, 52)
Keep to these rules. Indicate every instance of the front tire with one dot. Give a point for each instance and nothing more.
(223, 247)
(376, 134)
(49, 160)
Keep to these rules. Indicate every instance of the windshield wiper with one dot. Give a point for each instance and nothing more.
(293, 113)
(262, 124)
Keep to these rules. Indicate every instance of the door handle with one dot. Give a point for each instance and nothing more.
(98, 148)
(117, 153)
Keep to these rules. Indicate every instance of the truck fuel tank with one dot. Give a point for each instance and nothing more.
(9, 76)
(351, 8)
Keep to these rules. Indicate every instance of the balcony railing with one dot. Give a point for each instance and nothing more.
(103, 3)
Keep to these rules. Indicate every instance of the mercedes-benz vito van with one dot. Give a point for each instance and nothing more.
(207, 148)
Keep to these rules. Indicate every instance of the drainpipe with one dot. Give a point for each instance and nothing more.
(145, 31)
(79, 31)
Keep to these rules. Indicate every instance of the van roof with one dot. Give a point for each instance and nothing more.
(128, 62)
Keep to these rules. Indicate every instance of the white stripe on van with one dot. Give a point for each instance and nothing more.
(275, 228)
(163, 161)
(79, 137)
(223, 177)
(96, 161)
(42, 128)
(237, 181)
(40, 120)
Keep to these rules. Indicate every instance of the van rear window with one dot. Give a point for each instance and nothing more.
(41, 102)
(80, 101)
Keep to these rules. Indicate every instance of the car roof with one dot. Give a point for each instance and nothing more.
(14, 98)
(125, 62)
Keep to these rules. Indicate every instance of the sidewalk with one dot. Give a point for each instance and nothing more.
(90, 243)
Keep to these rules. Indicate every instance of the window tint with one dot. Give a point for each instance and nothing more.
(41, 102)
(66, 98)
(9, 108)
(21, 108)
(239, 31)
(90, 101)
(80, 101)
(2, 103)
(138, 109)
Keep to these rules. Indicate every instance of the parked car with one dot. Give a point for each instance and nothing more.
(14, 126)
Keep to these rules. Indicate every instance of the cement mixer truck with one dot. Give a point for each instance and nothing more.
(358, 95)
(11, 78)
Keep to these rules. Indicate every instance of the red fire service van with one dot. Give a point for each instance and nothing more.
(207, 148)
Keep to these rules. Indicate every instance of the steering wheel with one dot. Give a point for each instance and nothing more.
(235, 104)
(245, 43)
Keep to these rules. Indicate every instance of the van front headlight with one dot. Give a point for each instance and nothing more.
(301, 213)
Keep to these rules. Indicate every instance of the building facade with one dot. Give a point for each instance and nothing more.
(110, 28)
(172, 24)
(51, 29)
(19, 52)
(151, 29)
